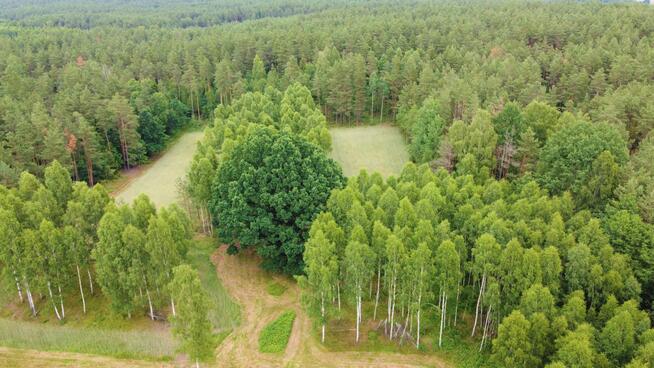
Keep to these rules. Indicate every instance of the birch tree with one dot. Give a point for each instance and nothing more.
(485, 261)
(448, 274)
(321, 268)
(9, 249)
(380, 234)
(55, 264)
(164, 252)
(359, 260)
(395, 258)
(422, 267)
(74, 243)
(191, 325)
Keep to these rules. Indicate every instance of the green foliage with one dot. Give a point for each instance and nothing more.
(268, 192)
(425, 132)
(191, 325)
(274, 337)
(276, 288)
(567, 158)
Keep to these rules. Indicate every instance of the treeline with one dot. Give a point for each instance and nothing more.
(361, 63)
(61, 238)
(537, 277)
(163, 13)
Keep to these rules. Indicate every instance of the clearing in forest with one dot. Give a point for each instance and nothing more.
(159, 179)
(378, 148)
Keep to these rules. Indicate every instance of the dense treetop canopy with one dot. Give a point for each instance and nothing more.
(267, 193)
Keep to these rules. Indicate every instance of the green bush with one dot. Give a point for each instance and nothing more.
(274, 337)
(276, 289)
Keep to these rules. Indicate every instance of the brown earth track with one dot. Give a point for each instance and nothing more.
(246, 282)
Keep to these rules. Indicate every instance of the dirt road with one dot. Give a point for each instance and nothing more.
(246, 282)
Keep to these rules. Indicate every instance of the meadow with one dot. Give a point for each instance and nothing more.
(159, 179)
(379, 148)
(145, 345)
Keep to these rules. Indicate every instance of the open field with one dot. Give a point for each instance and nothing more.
(374, 148)
(28, 358)
(143, 345)
(159, 179)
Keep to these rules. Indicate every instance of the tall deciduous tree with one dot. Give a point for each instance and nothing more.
(191, 324)
(283, 182)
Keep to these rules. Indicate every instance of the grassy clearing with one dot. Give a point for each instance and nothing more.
(374, 148)
(275, 288)
(225, 314)
(274, 337)
(159, 179)
(146, 345)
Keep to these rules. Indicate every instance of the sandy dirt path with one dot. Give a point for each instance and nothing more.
(246, 282)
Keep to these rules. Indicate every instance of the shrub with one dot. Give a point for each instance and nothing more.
(274, 337)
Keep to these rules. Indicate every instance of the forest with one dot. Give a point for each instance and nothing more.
(523, 225)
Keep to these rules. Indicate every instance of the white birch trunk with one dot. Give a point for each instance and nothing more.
(172, 304)
(443, 311)
(393, 309)
(61, 301)
(483, 336)
(54, 305)
(81, 290)
(456, 306)
(20, 291)
(377, 296)
(322, 314)
(88, 271)
(481, 290)
(147, 292)
(30, 299)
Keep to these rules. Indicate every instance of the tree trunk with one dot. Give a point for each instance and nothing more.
(30, 299)
(481, 290)
(358, 313)
(53, 302)
(20, 291)
(338, 293)
(197, 98)
(483, 336)
(443, 312)
(61, 301)
(377, 296)
(393, 310)
(89, 167)
(172, 304)
(81, 290)
(88, 271)
(381, 111)
(372, 106)
(456, 306)
(147, 292)
(322, 314)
